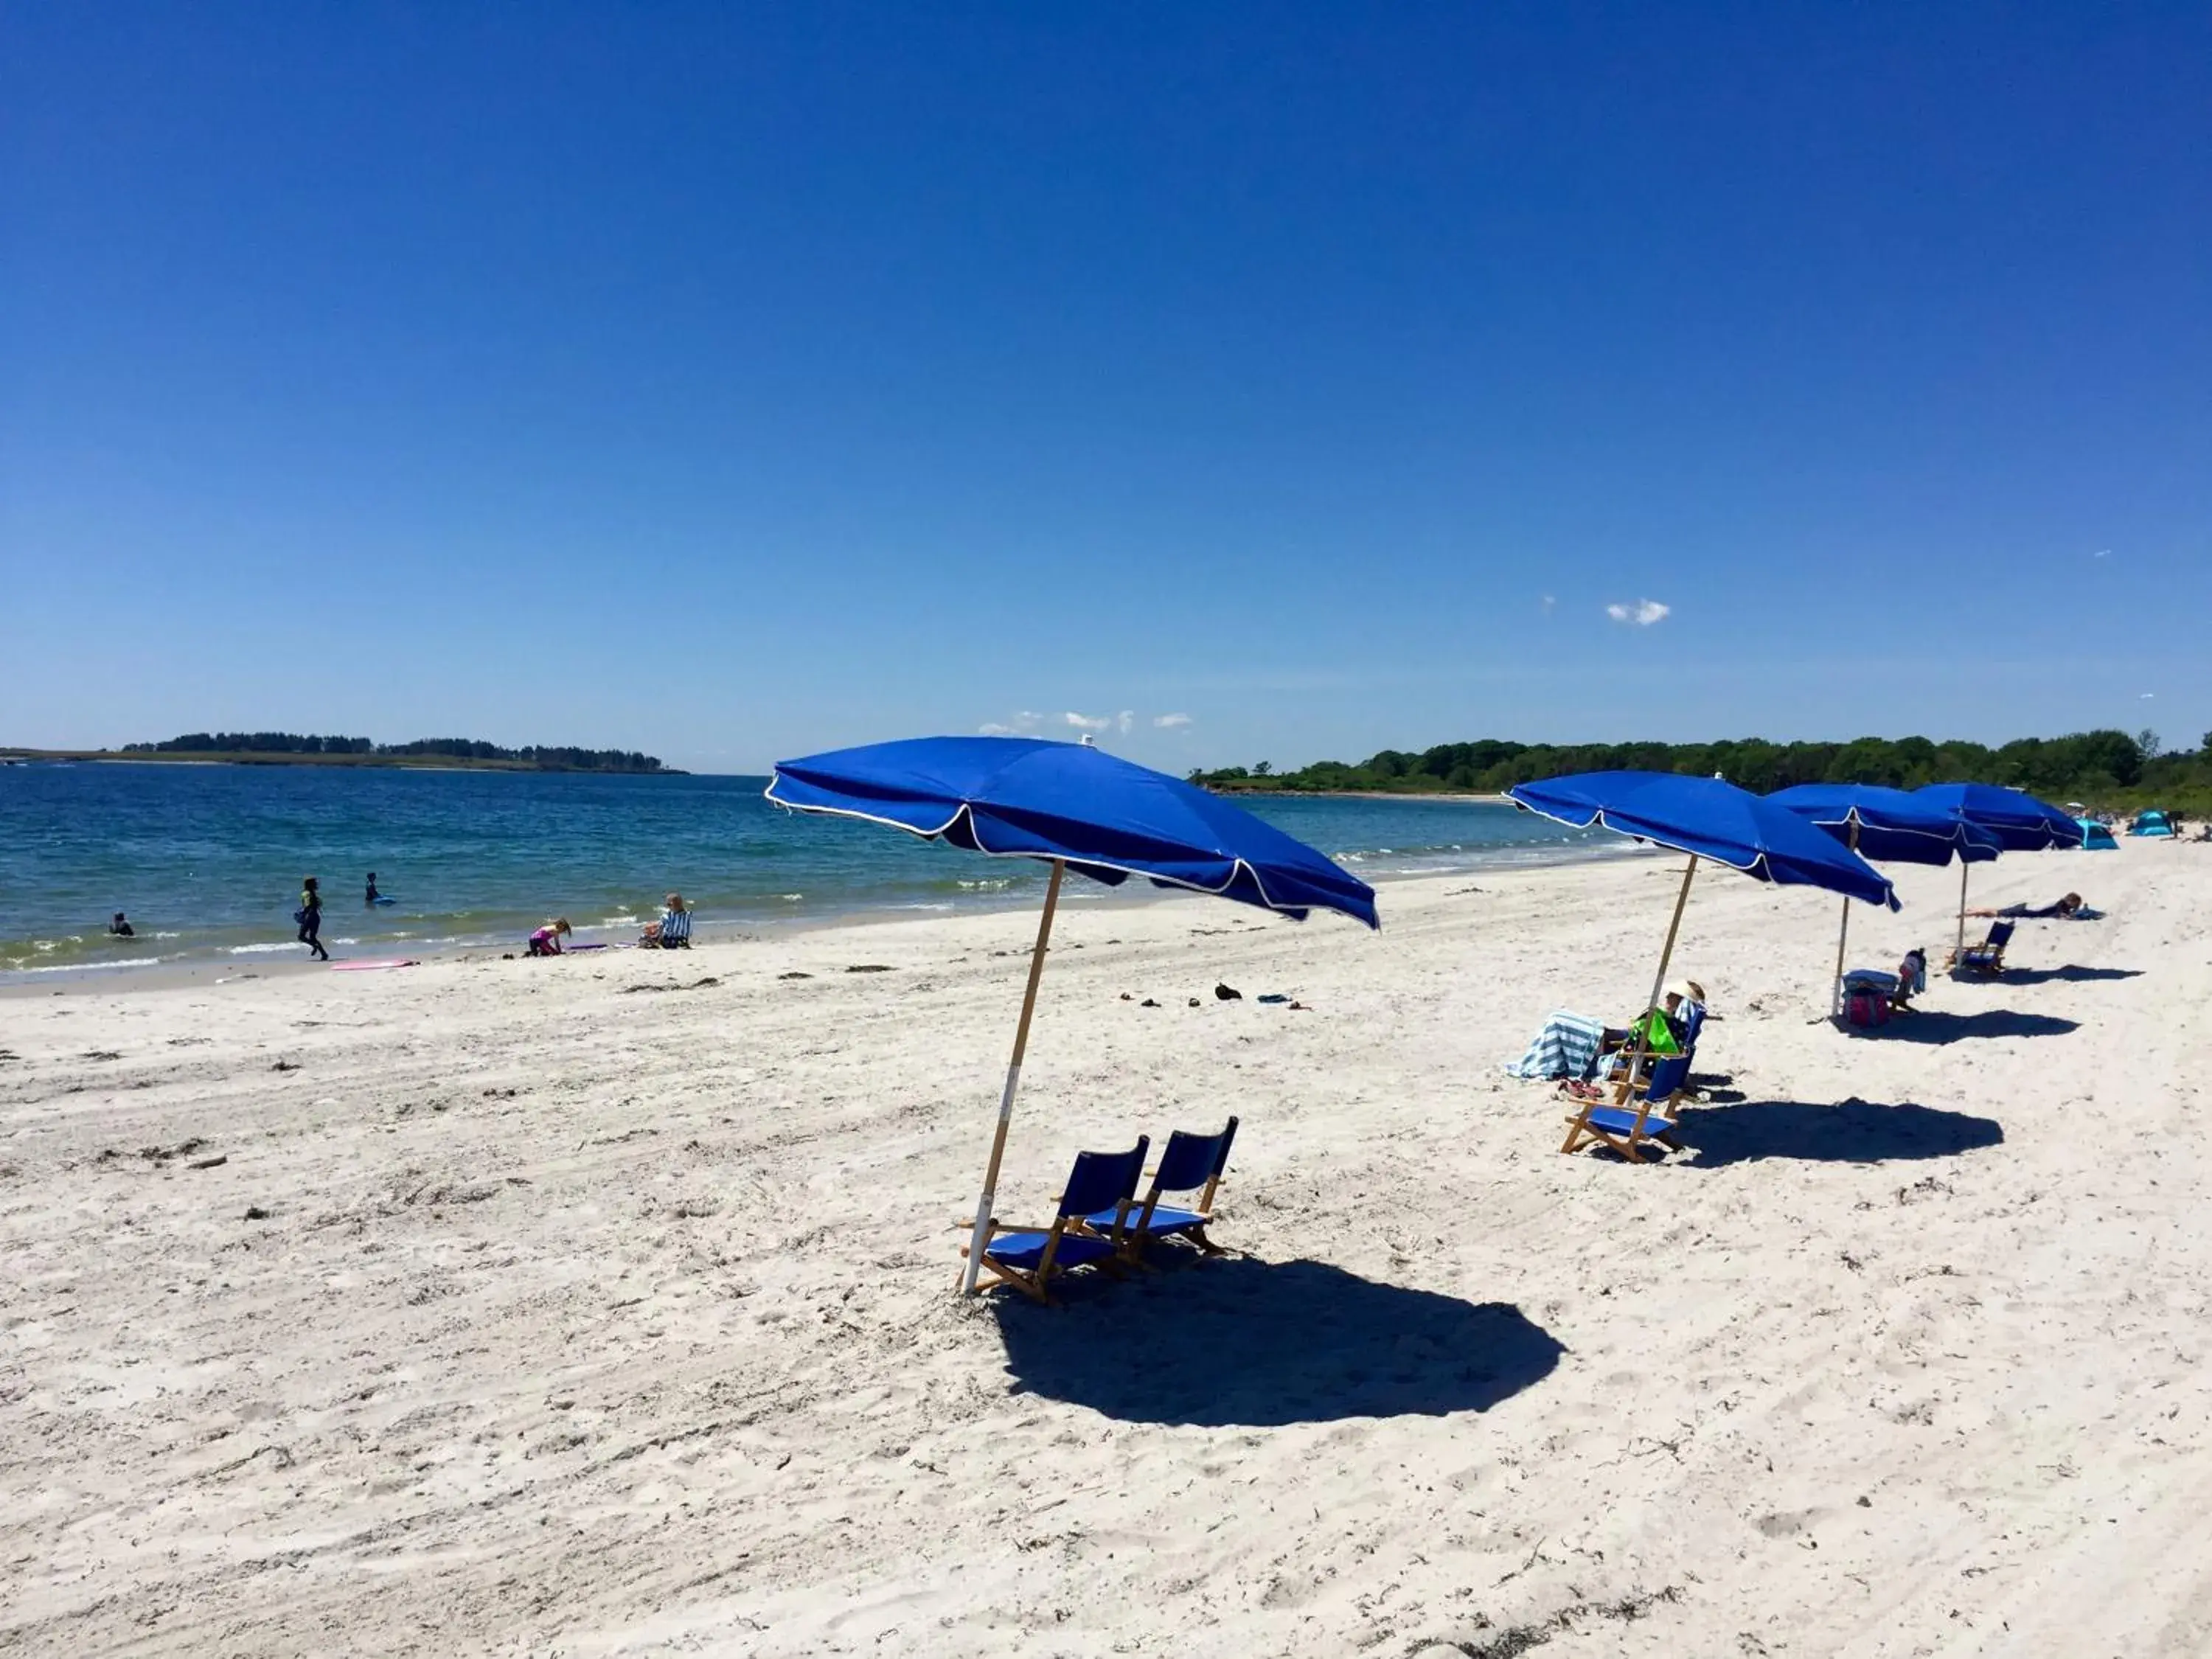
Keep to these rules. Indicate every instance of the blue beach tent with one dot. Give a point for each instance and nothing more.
(2097, 837)
(1707, 818)
(2150, 824)
(1075, 808)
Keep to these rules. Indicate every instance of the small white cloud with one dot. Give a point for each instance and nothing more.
(1642, 613)
(2146, 696)
(1088, 722)
(2102, 553)
(1125, 719)
(1550, 602)
(1170, 722)
(992, 729)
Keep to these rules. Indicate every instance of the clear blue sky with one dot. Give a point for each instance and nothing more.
(730, 381)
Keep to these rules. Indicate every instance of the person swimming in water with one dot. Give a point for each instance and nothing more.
(121, 926)
(373, 894)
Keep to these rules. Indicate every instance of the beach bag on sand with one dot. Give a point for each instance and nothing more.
(1865, 1008)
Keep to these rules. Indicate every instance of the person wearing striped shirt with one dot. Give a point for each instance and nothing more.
(673, 930)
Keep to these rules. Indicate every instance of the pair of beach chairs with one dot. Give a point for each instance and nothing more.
(1104, 1224)
(1639, 1113)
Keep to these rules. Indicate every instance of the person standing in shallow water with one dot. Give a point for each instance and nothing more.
(310, 918)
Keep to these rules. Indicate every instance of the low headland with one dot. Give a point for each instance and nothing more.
(292, 749)
(2105, 770)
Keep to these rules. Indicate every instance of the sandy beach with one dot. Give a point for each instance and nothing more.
(605, 1306)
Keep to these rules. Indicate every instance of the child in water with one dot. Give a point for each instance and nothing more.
(546, 941)
(309, 916)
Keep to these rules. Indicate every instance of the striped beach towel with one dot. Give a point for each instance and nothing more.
(1565, 1048)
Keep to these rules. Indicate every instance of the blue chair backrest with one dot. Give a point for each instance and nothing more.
(1692, 1022)
(1667, 1076)
(1102, 1180)
(1191, 1161)
(2000, 935)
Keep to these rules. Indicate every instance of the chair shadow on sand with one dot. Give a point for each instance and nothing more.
(1853, 1131)
(1235, 1342)
(1938, 1026)
(2071, 973)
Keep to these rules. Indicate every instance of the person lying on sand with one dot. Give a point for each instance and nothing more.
(546, 941)
(2065, 907)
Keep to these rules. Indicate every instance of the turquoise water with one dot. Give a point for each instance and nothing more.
(207, 859)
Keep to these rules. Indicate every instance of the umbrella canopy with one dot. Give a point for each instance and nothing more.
(1708, 819)
(1884, 825)
(1076, 808)
(2020, 823)
(1105, 817)
(1889, 825)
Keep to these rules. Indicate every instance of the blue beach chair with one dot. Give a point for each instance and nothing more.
(1988, 957)
(1190, 1164)
(1102, 1190)
(1626, 1124)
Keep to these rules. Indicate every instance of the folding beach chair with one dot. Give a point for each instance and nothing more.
(1190, 1164)
(1102, 1187)
(1988, 957)
(1635, 1116)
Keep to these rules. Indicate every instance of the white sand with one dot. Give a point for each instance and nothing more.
(591, 1321)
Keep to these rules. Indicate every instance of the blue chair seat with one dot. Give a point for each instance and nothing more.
(1164, 1220)
(1618, 1120)
(1025, 1251)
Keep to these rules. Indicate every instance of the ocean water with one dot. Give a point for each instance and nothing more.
(207, 859)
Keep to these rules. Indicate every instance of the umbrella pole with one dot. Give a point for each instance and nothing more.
(989, 1201)
(1960, 946)
(1666, 956)
(1643, 1050)
(1843, 933)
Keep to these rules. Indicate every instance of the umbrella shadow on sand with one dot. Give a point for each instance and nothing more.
(2069, 975)
(1853, 1131)
(1240, 1343)
(1938, 1026)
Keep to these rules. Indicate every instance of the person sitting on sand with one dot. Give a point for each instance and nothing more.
(1668, 1024)
(546, 941)
(672, 931)
(120, 926)
(2065, 907)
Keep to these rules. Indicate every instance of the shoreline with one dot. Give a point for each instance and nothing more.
(276, 958)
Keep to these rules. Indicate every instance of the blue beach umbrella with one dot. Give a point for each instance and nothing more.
(1706, 818)
(2019, 823)
(1883, 825)
(1076, 808)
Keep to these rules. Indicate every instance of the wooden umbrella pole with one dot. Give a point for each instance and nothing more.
(990, 1199)
(1659, 983)
(1843, 933)
(1960, 946)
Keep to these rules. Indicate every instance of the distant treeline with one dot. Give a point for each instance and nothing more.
(292, 743)
(2094, 767)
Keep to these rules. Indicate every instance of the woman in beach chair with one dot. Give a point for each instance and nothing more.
(673, 930)
(546, 941)
(1103, 1185)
